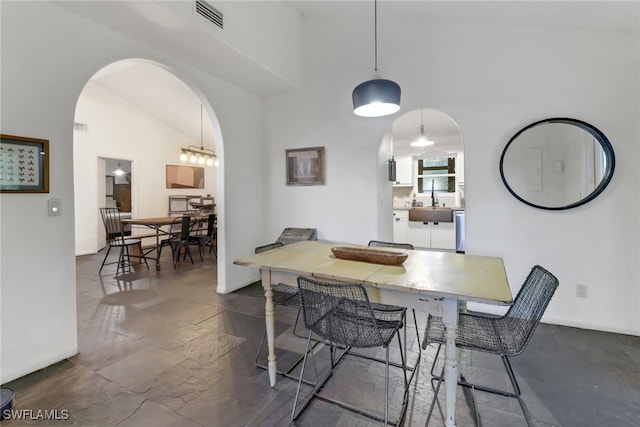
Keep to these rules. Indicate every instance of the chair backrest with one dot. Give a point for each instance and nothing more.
(517, 326)
(186, 222)
(268, 247)
(339, 312)
(293, 234)
(112, 224)
(211, 225)
(381, 244)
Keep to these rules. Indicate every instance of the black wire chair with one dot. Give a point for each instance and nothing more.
(381, 244)
(409, 246)
(116, 239)
(285, 296)
(504, 336)
(341, 314)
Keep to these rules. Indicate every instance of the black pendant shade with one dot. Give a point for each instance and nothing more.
(376, 98)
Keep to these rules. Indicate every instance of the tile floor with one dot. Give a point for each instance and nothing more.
(164, 349)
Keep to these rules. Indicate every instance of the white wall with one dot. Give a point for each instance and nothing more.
(42, 78)
(117, 129)
(492, 80)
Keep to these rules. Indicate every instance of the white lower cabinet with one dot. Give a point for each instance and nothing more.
(440, 235)
(400, 222)
(443, 235)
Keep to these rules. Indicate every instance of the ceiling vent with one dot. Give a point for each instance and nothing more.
(210, 13)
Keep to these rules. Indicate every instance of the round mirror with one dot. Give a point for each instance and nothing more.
(557, 163)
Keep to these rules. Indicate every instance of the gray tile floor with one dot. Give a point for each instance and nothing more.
(163, 349)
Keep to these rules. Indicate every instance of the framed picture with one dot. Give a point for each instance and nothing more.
(179, 176)
(305, 166)
(24, 165)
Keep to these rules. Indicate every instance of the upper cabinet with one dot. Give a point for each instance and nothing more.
(404, 171)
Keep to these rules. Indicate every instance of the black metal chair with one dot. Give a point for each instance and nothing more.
(177, 242)
(381, 244)
(393, 245)
(283, 295)
(341, 314)
(504, 336)
(204, 239)
(116, 239)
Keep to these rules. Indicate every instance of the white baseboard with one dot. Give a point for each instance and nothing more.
(35, 365)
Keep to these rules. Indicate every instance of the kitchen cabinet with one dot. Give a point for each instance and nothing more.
(404, 172)
(441, 235)
(400, 224)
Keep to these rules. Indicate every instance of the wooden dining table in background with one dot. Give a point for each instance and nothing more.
(156, 224)
(428, 281)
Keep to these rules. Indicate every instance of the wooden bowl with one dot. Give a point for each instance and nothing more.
(376, 256)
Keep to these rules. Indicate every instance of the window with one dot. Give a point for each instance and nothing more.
(437, 173)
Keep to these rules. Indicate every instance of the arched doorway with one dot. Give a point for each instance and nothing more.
(140, 111)
(429, 154)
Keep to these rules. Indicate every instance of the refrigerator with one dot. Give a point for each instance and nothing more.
(459, 219)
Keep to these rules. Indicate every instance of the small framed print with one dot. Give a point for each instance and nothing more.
(24, 164)
(305, 166)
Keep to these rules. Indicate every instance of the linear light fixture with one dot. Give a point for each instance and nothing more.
(199, 155)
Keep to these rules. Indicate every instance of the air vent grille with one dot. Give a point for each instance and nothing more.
(210, 13)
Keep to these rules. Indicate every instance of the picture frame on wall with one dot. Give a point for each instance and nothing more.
(179, 176)
(24, 164)
(305, 166)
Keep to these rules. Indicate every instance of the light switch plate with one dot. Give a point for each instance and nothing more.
(53, 207)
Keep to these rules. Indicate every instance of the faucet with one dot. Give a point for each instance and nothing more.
(434, 200)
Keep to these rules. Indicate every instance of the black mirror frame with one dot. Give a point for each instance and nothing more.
(597, 134)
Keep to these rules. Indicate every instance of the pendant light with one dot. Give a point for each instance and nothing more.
(422, 141)
(377, 97)
(200, 154)
(119, 171)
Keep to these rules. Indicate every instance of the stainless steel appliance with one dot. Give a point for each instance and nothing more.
(459, 219)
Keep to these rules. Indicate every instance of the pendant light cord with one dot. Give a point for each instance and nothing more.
(375, 34)
(201, 141)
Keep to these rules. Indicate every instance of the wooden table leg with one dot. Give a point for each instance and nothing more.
(450, 320)
(270, 324)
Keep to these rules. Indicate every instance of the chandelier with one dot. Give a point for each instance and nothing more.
(199, 155)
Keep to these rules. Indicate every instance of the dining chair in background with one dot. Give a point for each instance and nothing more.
(342, 314)
(179, 240)
(115, 238)
(206, 238)
(504, 336)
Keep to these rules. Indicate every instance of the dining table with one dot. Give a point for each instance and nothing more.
(431, 281)
(157, 224)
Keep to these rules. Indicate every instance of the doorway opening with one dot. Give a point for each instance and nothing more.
(428, 150)
(137, 115)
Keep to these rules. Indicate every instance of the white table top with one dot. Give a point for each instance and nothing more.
(432, 273)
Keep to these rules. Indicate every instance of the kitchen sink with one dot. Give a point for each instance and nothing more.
(431, 214)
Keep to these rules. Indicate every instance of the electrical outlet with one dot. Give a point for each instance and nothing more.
(581, 290)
